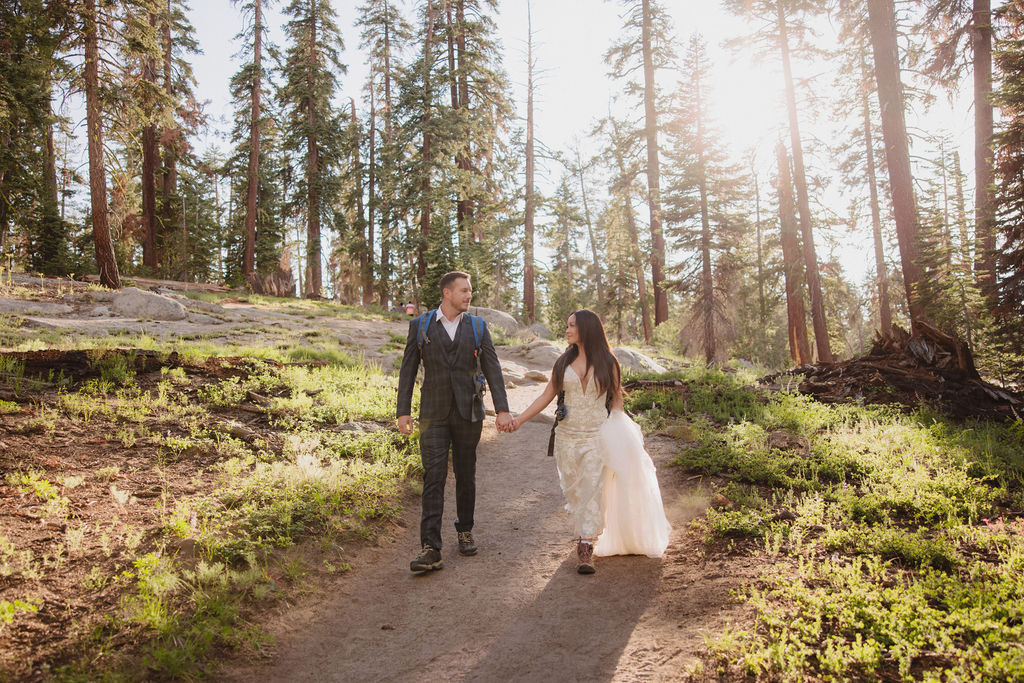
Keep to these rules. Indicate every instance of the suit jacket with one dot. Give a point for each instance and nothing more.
(448, 378)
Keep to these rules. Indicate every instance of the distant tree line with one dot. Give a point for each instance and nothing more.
(666, 231)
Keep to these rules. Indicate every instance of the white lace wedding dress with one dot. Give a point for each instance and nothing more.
(607, 476)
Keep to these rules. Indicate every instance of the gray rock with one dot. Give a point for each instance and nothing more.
(346, 339)
(499, 319)
(536, 376)
(100, 311)
(542, 331)
(634, 360)
(33, 307)
(542, 353)
(200, 305)
(203, 319)
(102, 295)
(135, 303)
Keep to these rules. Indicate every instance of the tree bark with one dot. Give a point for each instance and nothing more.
(371, 200)
(799, 349)
(170, 145)
(389, 219)
(984, 208)
(466, 209)
(653, 174)
(707, 298)
(364, 256)
(253, 176)
(105, 261)
(314, 277)
(882, 26)
(421, 269)
(529, 306)
(150, 152)
(626, 181)
(821, 340)
(881, 272)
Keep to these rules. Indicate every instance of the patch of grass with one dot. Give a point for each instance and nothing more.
(881, 569)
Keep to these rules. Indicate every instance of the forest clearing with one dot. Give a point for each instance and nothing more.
(197, 505)
(800, 222)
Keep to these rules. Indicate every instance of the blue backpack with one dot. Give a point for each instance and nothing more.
(479, 381)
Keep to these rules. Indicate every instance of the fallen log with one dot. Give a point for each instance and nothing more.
(930, 368)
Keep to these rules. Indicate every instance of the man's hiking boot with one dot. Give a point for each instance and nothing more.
(428, 559)
(467, 546)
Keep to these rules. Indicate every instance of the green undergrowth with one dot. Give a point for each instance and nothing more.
(893, 540)
(319, 466)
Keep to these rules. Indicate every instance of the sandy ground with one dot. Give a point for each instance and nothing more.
(517, 610)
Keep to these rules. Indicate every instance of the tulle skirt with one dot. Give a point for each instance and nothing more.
(634, 518)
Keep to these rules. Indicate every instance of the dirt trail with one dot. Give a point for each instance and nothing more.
(517, 610)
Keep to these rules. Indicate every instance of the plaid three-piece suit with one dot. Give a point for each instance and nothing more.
(451, 414)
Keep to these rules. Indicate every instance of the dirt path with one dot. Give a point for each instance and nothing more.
(517, 610)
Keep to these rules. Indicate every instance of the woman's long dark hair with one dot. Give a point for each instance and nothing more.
(599, 354)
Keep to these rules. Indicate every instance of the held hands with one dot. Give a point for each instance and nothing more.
(505, 422)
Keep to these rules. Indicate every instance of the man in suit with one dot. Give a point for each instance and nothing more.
(451, 411)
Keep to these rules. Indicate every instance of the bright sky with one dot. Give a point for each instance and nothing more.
(573, 90)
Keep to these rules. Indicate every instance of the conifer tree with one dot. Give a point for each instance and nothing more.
(785, 22)
(314, 126)
(702, 195)
(647, 43)
(384, 33)
(568, 288)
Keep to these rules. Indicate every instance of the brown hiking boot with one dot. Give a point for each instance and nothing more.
(585, 556)
(467, 546)
(428, 559)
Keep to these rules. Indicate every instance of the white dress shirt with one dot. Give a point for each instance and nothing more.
(450, 326)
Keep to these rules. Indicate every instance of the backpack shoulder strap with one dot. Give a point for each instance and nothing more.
(421, 330)
(474, 320)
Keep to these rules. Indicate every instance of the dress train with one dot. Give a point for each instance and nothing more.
(634, 518)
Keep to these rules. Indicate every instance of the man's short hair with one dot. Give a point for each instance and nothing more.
(448, 278)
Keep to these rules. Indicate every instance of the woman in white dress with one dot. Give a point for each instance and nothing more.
(607, 477)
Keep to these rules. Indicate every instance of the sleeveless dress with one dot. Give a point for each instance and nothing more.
(608, 479)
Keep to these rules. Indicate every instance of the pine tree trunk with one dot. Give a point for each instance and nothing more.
(390, 219)
(314, 276)
(371, 202)
(150, 152)
(468, 211)
(53, 236)
(882, 25)
(361, 221)
(707, 299)
(881, 272)
(653, 174)
(529, 305)
(984, 209)
(105, 261)
(170, 155)
(421, 268)
(821, 340)
(590, 231)
(762, 304)
(634, 237)
(799, 349)
(253, 176)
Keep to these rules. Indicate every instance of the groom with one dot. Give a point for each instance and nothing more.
(451, 409)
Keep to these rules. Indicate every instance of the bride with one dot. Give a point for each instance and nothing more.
(607, 477)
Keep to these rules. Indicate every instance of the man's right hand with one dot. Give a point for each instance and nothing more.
(405, 424)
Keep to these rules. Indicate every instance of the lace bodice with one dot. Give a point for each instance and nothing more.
(585, 412)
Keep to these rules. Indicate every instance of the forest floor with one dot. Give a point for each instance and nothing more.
(517, 610)
(226, 497)
(116, 464)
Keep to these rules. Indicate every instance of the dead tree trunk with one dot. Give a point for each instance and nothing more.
(653, 174)
(881, 272)
(253, 176)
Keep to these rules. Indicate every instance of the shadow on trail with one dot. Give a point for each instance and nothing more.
(577, 627)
